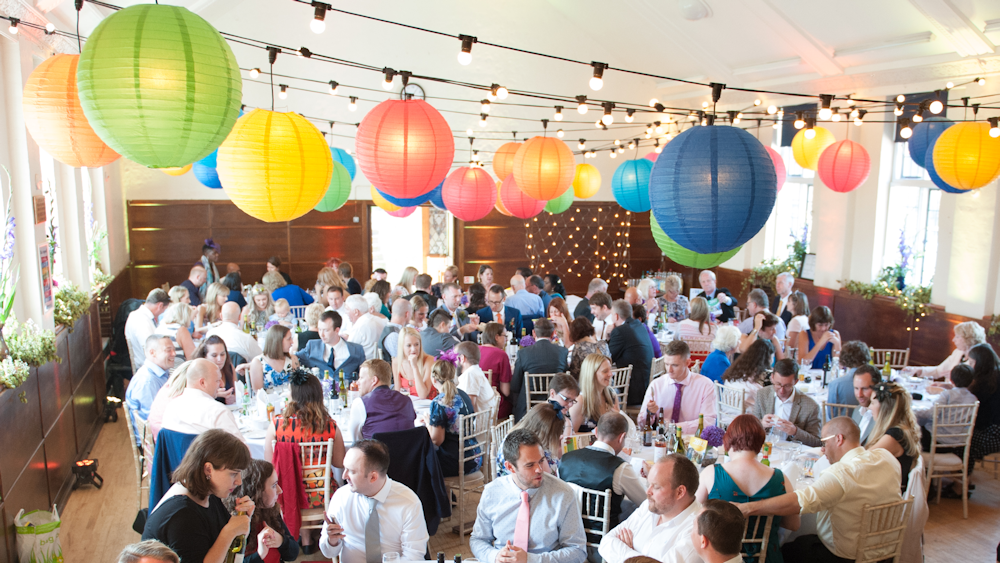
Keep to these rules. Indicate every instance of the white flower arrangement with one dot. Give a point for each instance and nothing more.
(29, 343)
(13, 372)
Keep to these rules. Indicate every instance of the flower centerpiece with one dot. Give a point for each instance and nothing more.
(526, 341)
(13, 372)
(71, 304)
(29, 343)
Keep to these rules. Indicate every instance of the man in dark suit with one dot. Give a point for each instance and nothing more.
(463, 325)
(347, 272)
(194, 281)
(536, 286)
(779, 305)
(422, 287)
(541, 357)
(720, 301)
(630, 345)
(583, 307)
(497, 311)
(331, 352)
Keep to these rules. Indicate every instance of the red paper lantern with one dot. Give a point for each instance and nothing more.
(844, 166)
(518, 203)
(499, 206)
(404, 211)
(544, 168)
(404, 147)
(469, 193)
(779, 165)
(503, 159)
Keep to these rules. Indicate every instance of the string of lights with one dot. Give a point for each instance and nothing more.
(582, 241)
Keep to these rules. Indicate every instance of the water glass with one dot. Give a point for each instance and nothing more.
(391, 557)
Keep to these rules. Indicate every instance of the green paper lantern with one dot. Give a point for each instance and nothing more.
(683, 256)
(561, 203)
(159, 85)
(339, 190)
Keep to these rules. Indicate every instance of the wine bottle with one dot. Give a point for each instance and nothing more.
(440, 557)
(235, 553)
(680, 441)
(701, 424)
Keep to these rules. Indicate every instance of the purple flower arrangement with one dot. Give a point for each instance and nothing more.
(527, 340)
(713, 435)
(270, 324)
(449, 356)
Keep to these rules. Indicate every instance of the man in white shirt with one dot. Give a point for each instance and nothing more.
(141, 324)
(373, 515)
(335, 296)
(661, 527)
(757, 302)
(379, 408)
(473, 381)
(866, 378)
(718, 532)
(600, 308)
(237, 341)
(783, 284)
(856, 477)
(365, 328)
(196, 410)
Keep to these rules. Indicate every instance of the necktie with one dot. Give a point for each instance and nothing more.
(523, 522)
(373, 542)
(675, 415)
(781, 306)
(332, 356)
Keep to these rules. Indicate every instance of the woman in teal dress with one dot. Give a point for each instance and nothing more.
(731, 480)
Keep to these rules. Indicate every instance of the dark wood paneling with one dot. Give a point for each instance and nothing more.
(86, 407)
(21, 424)
(115, 294)
(60, 451)
(29, 492)
(56, 379)
(167, 246)
(268, 240)
(80, 350)
(6, 544)
(169, 215)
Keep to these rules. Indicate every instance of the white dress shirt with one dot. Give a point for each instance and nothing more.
(624, 481)
(345, 321)
(473, 381)
(402, 528)
(359, 414)
(866, 419)
(365, 332)
(139, 326)
(237, 341)
(669, 542)
(194, 412)
(340, 353)
(783, 409)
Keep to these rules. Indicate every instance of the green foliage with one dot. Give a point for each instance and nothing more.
(71, 304)
(764, 276)
(13, 372)
(29, 343)
(99, 280)
(913, 299)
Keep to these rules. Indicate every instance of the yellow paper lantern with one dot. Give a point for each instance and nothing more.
(966, 157)
(179, 171)
(587, 181)
(807, 151)
(383, 203)
(275, 166)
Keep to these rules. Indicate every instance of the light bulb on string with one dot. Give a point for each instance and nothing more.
(465, 54)
(501, 92)
(659, 128)
(581, 106)
(810, 128)
(981, 81)
(653, 102)
(12, 28)
(799, 122)
(599, 125)
(283, 94)
(629, 117)
(621, 149)
(824, 111)
(898, 110)
(485, 106)
(608, 118)
(936, 107)
(334, 86)
(318, 25)
(771, 110)
(900, 98)
(254, 72)
(482, 120)
(905, 131)
(560, 133)
(353, 105)
(704, 105)
(994, 128)
(836, 117)
(919, 116)
(582, 145)
(631, 144)
(614, 154)
(597, 81)
(389, 75)
(469, 132)
(50, 28)
(559, 114)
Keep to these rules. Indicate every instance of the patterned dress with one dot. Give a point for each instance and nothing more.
(273, 377)
(581, 350)
(297, 434)
(676, 310)
(447, 417)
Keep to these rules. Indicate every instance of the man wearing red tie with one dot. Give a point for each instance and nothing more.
(528, 511)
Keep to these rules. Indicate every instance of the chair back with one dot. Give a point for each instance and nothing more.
(883, 528)
(620, 379)
(897, 358)
(298, 310)
(595, 509)
(139, 441)
(498, 433)
(756, 533)
(657, 368)
(473, 438)
(701, 346)
(315, 458)
(916, 489)
(537, 387)
(951, 427)
(830, 411)
(729, 403)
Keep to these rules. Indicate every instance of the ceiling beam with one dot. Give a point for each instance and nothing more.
(954, 27)
(767, 67)
(805, 45)
(912, 39)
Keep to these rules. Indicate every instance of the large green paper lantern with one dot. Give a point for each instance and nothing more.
(683, 256)
(561, 203)
(159, 85)
(339, 191)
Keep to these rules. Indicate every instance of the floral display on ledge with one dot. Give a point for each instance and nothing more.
(29, 343)
(913, 299)
(71, 304)
(764, 275)
(13, 372)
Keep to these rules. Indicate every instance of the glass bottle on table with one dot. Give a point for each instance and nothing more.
(235, 552)
(680, 441)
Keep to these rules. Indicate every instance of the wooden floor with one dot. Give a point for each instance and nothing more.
(98, 523)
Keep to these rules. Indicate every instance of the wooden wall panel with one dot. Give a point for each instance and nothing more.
(30, 491)
(21, 421)
(169, 215)
(61, 452)
(56, 377)
(6, 544)
(80, 350)
(86, 407)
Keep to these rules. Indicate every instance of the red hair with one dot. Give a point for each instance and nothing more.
(744, 434)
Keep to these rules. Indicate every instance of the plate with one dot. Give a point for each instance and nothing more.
(255, 434)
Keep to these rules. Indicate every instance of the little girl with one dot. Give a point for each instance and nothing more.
(283, 313)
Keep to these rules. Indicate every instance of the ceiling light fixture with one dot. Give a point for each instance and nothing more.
(559, 115)
(597, 81)
(581, 107)
(318, 25)
(465, 55)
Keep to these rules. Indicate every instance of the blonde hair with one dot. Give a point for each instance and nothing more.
(254, 311)
(547, 425)
(699, 312)
(273, 280)
(212, 308)
(443, 372)
(643, 288)
(409, 273)
(179, 313)
(313, 312)
(895, 410)
(178, 380)
(177, 293)
(673, 283)
(595, 401)
(971, 332)
(282, 303)
(405, 333)
(328, 276)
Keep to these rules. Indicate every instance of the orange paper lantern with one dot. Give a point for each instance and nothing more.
(55, 119)
(544, 168)
(503, 159)
(499, 206)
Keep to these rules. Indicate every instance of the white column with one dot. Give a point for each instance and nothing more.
(100, 212)
(116, 221)
(72, 236)
(870, 203)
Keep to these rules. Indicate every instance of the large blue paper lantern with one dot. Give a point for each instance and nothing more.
(435, 197)
(204, 170)
(341, 156)
(924, 135)
(630, 185)
(713, 188)
(929, 162)
(404, 202)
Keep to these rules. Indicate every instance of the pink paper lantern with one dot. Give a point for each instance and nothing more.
(517, 202)
(404, 211)
(469, 193)
(844, 166)
(652, 156)
(779, 165)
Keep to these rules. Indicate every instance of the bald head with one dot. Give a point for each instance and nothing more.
(840, 435)
(517, 282)
(632, 296)
(401, 309)
(205, 376)
(231, 312)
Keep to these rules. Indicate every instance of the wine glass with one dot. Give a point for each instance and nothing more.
(391, 557)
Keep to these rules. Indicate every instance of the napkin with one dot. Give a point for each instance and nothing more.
(791, 470)
(262, 404)
(239, 391)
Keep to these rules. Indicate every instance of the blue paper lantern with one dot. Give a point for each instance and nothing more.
(929, 162)
(404, 202)
(924, 135)
(205, 171)
(630, 185)
(436, 198)
(341, 156)
(713, 188)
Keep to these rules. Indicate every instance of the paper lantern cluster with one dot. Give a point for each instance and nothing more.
(630, 185)
(543, 168)
(683, 256)
(807, 151)
(518, 203)
(469, 193)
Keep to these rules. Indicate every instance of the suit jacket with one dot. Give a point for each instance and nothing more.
(630, 345)
(805, 414)
(432, 302)
(312, 357)
(727, 310)
(461, 316)
(583, 310)
(541, 357)
(786, 315)
(511, 319)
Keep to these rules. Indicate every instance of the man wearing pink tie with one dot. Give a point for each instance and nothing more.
(683, 395)
(527, 511)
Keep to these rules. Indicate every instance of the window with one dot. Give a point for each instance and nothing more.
(912, 217)
(53, 235)
(792, 215)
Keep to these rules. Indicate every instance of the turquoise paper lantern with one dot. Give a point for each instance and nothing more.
(561, 203)
(630, 185)
(159, 85)
(338, 192)
(343, 157)
(683, 256)
(924, 135)
(204, 170)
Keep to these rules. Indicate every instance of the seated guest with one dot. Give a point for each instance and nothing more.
(559, 315)
(327, 277)
(529, 304)
(235, 284)
(191, 518)
(382, 289)
(179, 294)
(273, 264)
(894, 427)
(141, 324)
(214, 349)
(447, 408)
(346, 272)
(406, 280)
(780, 406)
(273, 366)
(819, 341)
(267, 528)
(967, 335)
(331, 352)
(865, 379)
(582, 309)
(781, 306)
(600, 310)
(419, 308)
(673, 303)
(365, 327)
(797, 309)
(196, 411)
(283, 314)
(335, 296)
(961, 378)
(232, 267)
(749, 371)
(661, 527)
(237, 341)
(536, 286)
(485, 275)
(697, 392)
(728, 481)
(698, 324)
(564, 390)
(853, 355)
(541, 357)
(173, 325)
(553, 286)
(477, 298)
(596, 394)
(152, 375)
(986, 387)
(210, 310)
(437, 337)
(412, 366)
(584, 344)
(718, 532)
(639, 314)
(379, 408)
(259, 310)
(311, 332)
(149, 551)
(170, 391)
(725, 344)
(599, 468)
(630, 346)
(280, 289)
(373, 515)
(493, 359)
(757, 302)
(388, 341)
(647, 293)
(764, 325)
(721, 302)
(195, 280)
(497, 311)
(472, 380)
(856, 477)
(463, 325)
(528, 511)
(422, 288)
(550, 426)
